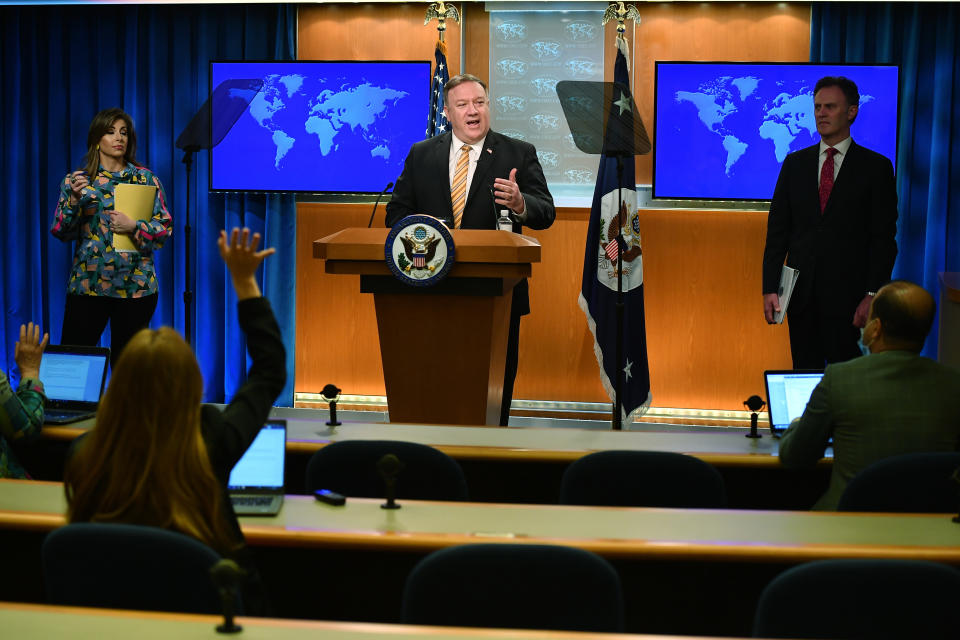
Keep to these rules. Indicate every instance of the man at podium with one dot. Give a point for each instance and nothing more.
(485, 172)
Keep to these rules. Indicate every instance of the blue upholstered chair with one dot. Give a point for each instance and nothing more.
(642, 479)
(861, 599)
(514, 586)
(123, 566)
(913, 482)
(350, 467)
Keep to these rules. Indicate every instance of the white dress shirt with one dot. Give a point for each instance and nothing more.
(842, 147)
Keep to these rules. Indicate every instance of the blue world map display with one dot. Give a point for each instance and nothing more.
(342, 127)
(723, 129)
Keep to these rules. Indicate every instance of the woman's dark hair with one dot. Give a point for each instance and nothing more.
(98, 127)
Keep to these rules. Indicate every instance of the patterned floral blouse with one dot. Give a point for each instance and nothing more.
(21, 417)
(98, 269)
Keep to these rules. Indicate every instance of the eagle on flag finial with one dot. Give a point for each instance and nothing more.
(441, 11)
(617, 11)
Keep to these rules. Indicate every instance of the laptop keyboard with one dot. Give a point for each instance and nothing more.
(251, 501)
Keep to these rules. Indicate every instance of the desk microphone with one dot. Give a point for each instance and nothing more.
(227, 575)
(389, 184)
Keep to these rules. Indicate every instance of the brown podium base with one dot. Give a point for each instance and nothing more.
(443, 353)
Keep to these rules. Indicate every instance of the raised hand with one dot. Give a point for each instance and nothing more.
(28, 351)
(239, 253)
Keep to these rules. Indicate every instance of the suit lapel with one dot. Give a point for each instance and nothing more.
(440, 166)
(810, 170)
(847, 169)
(487, 157)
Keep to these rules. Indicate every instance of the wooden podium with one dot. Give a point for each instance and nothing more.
(443, 347)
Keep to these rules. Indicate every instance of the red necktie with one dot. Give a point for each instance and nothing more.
(826, 178)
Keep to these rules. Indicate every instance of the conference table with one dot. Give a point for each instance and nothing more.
(52, 623)
(525, 465)
(350, 562)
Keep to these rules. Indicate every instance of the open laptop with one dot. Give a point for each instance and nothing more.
(787, 395)
(73, 379)
(256, 481)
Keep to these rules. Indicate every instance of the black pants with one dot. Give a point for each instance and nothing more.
(85, 318)
(510, 368)
(821, 336)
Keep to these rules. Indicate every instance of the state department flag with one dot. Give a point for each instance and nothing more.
(437, 122)
(598, 294)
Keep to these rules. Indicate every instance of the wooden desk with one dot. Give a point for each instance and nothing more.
(26, 621)
(525, 465)
(351, 562)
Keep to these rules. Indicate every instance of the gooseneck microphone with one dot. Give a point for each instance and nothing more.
(493, 203)
(389, 184)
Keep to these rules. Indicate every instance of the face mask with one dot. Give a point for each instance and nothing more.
(864, 348)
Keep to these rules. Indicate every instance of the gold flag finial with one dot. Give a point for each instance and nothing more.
(617, 11)
(441, 11)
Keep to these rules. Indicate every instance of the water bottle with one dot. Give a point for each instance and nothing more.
(504, 223)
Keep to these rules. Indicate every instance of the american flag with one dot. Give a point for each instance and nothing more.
(437, 123)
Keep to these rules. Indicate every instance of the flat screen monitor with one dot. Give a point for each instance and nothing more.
(722, 129)
(321, 127)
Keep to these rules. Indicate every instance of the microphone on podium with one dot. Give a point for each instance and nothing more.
(389, 184)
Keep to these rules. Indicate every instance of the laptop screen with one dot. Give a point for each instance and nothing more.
(73, 374)
(261, 467)
(788, 393)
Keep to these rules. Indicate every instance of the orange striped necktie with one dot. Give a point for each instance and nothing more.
(458, 192)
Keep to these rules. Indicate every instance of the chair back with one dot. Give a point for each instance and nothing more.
(514, 586)
(913, 482)
(860, 599)
(124, 566)
(642, 479)
(350, 467)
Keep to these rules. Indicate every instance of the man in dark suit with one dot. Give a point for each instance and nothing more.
(834, 218)
(890, 402)
(464, 176)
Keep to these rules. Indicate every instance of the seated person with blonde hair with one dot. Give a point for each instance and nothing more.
(157, 456)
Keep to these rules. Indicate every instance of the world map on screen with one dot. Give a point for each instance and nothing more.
(308, 131)
(725, 135)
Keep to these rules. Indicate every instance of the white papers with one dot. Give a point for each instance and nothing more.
(788, 278)
(135, 200)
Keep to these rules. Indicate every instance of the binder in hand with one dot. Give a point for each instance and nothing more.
(135, 200)
(788, 278)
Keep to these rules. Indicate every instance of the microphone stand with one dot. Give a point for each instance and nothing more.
(187, 291)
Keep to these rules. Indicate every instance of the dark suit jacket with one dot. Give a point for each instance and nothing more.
(847, 251)
(424, 188)
(874, 407)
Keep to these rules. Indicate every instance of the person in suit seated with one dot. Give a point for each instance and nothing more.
(21, 413)
(889, 402)
(834, 218)
(464, 176)
(157, 456)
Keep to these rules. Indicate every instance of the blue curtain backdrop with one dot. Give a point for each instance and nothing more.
(59, 66)
(923, 39)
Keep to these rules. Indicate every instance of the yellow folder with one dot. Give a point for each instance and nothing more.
(135, 200)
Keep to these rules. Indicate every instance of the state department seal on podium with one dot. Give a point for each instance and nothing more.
(419, 250)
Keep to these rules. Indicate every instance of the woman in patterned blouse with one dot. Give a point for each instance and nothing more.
(107, 281)
(21, 412)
